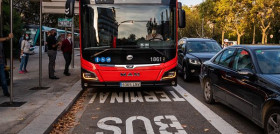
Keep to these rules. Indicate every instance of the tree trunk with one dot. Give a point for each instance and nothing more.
(254, 35)
(265, 41)
(238, 39)
(264, 30)
(223, 37)
(263, 37)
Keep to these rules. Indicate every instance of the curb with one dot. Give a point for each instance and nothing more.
(42, 124)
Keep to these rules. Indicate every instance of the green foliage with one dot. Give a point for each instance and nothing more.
(17, 28)
(193, 27)
(234, 20)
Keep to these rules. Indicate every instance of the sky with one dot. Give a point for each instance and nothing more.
(190, 2)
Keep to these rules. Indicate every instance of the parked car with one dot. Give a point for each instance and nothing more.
(246, 79)
(192, 52)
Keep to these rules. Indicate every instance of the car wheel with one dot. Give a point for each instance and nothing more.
(208, 92)
(186, 74)
(272, 121)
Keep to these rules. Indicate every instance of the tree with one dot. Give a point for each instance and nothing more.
(193, 20)
(208, 13)
(30, 13)
(17, 28)
(265, 16)
(222, 18)
(239, 17)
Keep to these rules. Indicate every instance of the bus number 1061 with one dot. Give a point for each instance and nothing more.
(157, 59)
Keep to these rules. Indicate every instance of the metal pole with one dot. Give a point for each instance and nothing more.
(65, 28)
(73, 43)
(11, 53)
(1, 26)
(40, 49)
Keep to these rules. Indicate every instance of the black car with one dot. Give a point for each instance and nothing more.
(247, 79)
(192, 52)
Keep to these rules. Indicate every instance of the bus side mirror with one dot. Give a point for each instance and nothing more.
(182, 16)
(69, 8)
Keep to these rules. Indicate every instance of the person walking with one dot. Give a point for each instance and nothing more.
(2, 66)
(52, 52)
(66, 48)
(25, 51)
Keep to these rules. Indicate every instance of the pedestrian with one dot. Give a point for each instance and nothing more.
(2, 66)
(52, 51)
(46, 43)
(66, 48)
(25, 52)
(19, 44)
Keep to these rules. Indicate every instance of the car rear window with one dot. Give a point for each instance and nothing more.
(203, 46)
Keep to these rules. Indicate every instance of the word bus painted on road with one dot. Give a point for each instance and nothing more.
(128, 37)
(163, 123)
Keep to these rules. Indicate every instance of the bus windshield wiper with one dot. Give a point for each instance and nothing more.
(161, 53)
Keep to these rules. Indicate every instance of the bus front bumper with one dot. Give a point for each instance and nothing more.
(171, 82)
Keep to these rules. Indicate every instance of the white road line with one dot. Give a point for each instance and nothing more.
(93, 98)
(220, 124)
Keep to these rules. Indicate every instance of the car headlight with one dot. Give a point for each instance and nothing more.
(194, 61)
(169, 74)
(90, 76)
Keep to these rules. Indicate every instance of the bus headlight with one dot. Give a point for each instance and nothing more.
(169, 75)
(90, 76)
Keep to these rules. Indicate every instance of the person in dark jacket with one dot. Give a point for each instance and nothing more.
(66, 48)
(52, 52)
(2, 65)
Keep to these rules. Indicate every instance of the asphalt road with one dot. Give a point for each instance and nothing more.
(165, 110)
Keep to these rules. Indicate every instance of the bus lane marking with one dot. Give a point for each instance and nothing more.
(117, 97)
(176, 97)
(137, 96)
(163, 123)
(164, 96)
(215, 120)
(93, 98)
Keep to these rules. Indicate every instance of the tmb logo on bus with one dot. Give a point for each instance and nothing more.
(130, 74)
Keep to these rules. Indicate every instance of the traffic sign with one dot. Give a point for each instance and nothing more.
(64, 22)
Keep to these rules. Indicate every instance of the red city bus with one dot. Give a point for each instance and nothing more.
(128, 43)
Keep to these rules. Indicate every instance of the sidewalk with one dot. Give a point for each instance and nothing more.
(13, 120)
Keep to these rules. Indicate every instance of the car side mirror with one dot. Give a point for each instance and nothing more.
(182, 16)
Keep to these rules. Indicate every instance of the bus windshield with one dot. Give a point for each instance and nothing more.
(128, 26)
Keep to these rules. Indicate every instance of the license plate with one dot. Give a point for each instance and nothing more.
(130, 84)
